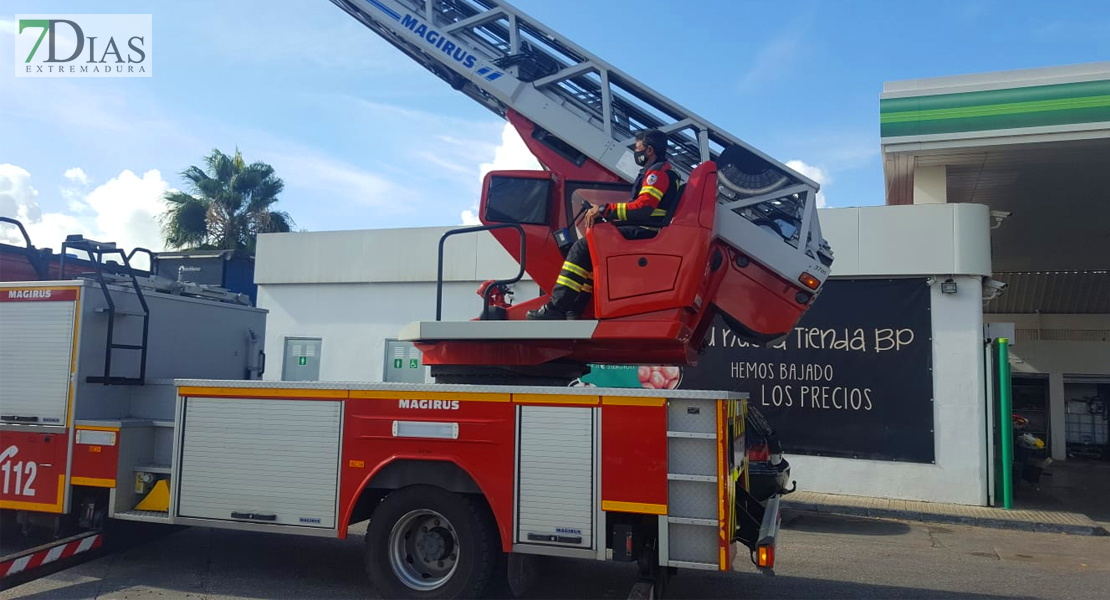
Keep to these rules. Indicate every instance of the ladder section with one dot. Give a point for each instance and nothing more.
(692, 484)
(585, 108)
(96, 252)
(504, 59)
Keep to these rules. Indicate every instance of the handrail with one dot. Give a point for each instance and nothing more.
(26, 238)
(489, 289)
(153, 257)
(33, 257)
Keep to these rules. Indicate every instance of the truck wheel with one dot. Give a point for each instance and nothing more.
(425, 542)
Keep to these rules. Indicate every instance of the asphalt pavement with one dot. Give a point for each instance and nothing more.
(820, 556)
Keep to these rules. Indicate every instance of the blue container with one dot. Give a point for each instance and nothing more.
(228, 269)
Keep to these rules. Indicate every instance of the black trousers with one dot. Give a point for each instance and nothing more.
(576, 279)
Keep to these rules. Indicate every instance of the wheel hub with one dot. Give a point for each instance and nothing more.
(423, 550)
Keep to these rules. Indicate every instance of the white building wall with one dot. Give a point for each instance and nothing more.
(959, 420)
(353, 320)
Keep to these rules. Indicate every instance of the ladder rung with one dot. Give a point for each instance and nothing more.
(692, 435)
(127, 347)
(684, 477)
(693, 521)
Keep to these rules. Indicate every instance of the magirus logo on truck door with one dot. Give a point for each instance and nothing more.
(429, 404)
(28, 294)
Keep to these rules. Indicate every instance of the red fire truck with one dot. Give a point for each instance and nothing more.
(127, 397)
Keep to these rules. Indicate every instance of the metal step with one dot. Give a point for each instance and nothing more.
(685, 477)
(693, 521)
(692, 435)
(150, 516)
(693, 565)
(153, 468)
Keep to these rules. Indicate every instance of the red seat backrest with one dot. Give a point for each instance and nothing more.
(641, 276)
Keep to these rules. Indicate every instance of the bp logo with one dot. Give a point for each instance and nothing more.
(83, 46)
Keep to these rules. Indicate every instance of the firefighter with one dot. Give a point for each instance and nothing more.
(654, 197)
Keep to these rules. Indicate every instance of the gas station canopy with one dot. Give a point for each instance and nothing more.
(1033, 145)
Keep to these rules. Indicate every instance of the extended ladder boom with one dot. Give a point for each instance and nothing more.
(505, 60)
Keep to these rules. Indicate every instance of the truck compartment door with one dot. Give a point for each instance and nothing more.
(555, 477)
(36, 357)
(260, 461)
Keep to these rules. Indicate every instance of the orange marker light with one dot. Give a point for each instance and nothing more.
(766, 557)
(809, 281)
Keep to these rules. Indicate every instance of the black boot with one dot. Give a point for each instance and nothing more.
(547, 312)
(579, 306)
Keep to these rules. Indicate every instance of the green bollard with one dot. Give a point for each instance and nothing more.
(1005, 409)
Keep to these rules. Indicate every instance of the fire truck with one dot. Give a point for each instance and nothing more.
(130, 397)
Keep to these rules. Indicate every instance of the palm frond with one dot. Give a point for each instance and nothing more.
(230, 204)
(220, 166)
(185, 223)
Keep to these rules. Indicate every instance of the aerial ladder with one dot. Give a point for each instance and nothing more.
(744, 241)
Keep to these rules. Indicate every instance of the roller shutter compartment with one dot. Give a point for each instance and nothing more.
(261, 461)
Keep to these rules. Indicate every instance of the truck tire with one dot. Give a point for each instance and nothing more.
(425, 542)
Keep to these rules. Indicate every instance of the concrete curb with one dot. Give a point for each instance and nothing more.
(1093, 528)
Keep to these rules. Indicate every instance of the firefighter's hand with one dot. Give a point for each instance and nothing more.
(592, 216)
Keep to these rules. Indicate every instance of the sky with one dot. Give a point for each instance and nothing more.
(365, 138)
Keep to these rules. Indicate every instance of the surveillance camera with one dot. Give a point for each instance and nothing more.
(993, 288)
(998, 216)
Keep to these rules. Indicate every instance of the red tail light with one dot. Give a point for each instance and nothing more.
(759, 453)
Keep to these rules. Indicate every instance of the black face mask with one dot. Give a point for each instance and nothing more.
(641, 157)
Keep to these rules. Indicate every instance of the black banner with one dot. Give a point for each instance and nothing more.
(854, 378)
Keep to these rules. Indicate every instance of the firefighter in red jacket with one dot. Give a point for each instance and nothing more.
(654, 196)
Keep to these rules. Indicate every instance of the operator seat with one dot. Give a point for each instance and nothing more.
(647, 275)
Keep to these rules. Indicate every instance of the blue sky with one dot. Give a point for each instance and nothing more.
(364, 138)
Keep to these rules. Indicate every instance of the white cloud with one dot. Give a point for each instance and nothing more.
(470, 217)
(127, 209)
(17, 196)
(817, 174)
(19, 200)
(77, 175)
(511, 155)
(123, 210)
(7, 26)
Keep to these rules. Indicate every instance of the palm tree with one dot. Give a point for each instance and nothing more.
(229, 205)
